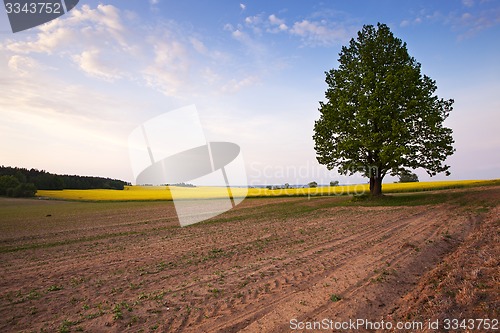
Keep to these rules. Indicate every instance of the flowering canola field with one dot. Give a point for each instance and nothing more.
(151, 193)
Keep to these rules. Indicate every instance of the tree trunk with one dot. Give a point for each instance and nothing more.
(375, 185)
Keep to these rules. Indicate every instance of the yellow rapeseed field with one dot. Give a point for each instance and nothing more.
(150, 193)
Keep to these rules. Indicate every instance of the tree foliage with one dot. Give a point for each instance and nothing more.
(381, 114)
(44, 180)
(7, 182)
(23, 190)
(406, 176)
(16, 186)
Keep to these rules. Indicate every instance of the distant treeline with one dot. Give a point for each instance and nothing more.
(44, 180)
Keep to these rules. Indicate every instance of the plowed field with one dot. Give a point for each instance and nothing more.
(269, 265)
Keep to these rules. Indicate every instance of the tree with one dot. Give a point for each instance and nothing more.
(312, 184)
(6, 183)
(334, 183)
(406, 176)
(20, 176)
(381, 114)
(23, 190)
(12, 187)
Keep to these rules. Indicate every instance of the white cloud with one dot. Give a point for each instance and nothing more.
(319, 33)
(468, 3)
(202, 49)
(170, 54)
(255, 22)
(96, 40)
(256, 19)
(198, 45)
(305, 27)
(466, 23)
(24, 66)
(89, 49)
(275, 20)
(103, 78)
(312, 32)
(257, 49)
(404, 23)
(238, 34)
(471, 23)
(82, 27)
(407, 23)
(89, 38)
(105, 20)
(260, 22)
(243, 6)
(234, 86)
(210, 76)
(46, 42)
(170, 67)
(91, 63)
(50, 93)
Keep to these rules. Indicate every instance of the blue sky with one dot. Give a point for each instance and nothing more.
(72, 90)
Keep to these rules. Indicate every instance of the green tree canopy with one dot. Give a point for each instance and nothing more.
(381, 114)
(22, 190)
(407, 176)
(7, 182)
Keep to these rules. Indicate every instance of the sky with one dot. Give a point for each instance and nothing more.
(72, 90)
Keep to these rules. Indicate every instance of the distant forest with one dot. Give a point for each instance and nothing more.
(44, 180)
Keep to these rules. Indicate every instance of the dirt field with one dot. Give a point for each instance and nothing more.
(270, 265)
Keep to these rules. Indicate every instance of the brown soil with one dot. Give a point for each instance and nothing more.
(127, 267)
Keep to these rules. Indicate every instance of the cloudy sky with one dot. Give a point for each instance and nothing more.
(72, 90)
